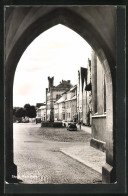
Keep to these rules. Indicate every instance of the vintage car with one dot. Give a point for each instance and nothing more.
(72, 127)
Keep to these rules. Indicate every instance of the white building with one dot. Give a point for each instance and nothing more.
(65, 107)
(41, 113)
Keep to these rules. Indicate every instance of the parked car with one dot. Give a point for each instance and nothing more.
(38, 120)
(72, 127)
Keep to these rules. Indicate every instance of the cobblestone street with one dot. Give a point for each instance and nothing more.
(39, 159)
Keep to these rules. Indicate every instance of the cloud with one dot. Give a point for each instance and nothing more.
(24, 89)
(58, 52)
(32, 69)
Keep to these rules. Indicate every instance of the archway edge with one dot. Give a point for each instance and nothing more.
(65, 17)
(84, 28)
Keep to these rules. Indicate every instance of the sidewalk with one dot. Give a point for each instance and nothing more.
(85, 128)
(86, 154)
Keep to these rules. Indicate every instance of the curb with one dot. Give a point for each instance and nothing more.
(81, 161)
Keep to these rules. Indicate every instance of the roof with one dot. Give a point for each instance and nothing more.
(73, 98)
(65, 92)
(64, 84)
(42, 107)
(73, 88)
(62, 99)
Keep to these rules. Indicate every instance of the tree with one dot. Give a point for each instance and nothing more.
(20, 112)
(31, 112)
(27, 106)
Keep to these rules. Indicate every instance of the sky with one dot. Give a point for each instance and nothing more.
(58, 52)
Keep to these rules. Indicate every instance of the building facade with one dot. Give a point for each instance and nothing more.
(71, 104)
(84, 95)
(41, 113)
(53, 93)
(82, 78)
(59, 108)
(98, 104)
(65, 107)
(87, 97)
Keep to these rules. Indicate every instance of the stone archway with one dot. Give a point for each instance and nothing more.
(87, 22)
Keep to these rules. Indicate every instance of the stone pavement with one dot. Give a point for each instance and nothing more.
(39, 159)
(86, 154)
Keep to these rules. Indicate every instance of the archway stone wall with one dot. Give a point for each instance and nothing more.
(96, 24)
